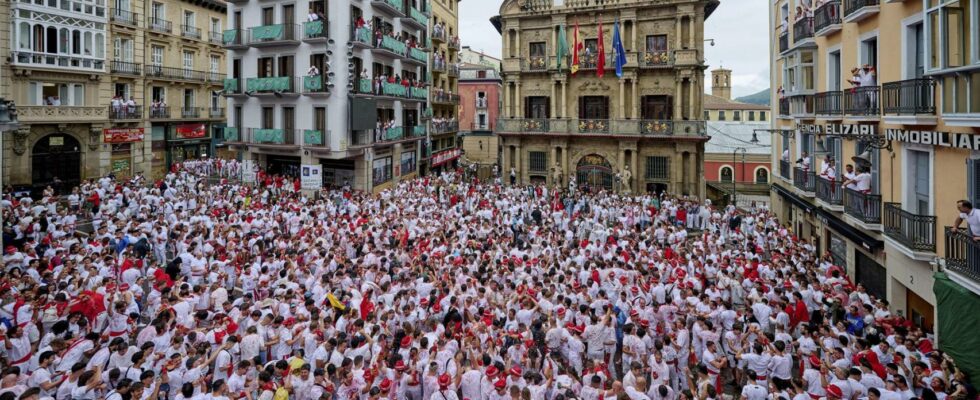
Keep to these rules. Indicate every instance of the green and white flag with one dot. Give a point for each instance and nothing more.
(562, 47)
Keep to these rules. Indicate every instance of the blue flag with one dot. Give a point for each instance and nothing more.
(618, 50)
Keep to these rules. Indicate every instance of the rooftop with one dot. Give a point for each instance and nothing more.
(712, 102)
(726, 136)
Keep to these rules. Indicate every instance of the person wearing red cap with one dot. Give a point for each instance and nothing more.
(834, 392)
(444, 392)
(813, 378)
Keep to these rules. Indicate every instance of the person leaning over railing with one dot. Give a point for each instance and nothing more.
(969, 215)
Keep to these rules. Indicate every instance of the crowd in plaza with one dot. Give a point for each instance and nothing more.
(441, 288)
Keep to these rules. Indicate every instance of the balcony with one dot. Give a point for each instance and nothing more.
(159, 112)
(126, 18)
(534, 64)
(232, 135)
(440, 67)
(233, 39)
(916, 233)
(190, 32)
(316, 31)
(481, 103)
(783, 42)
(171, 73)
(862, 102)
(159, 25)
(268, 137)
(215, 78)
(962, 253)
(826, 19)
(190, 112)
(216, 38)
(803, 33)
(805, 181)
(315, 86)
(126, 68)
(863, 207)
(361, 38)
(910, 102)
(656, 59)
(603, 127)
(232, 87)
(453, 44)
(438, 36)
(477, 128)
(419, 93)
(419, 131)
(61, 114)
(590, 62)
(418, 56)
(392, 47)
(858, 10)
(67, 62)
(274, 35)
(453, 71)
(217, 113)
(277, 85)
(785, 171)
(784, 107)
(828, 104)
(391, 7)
(441, 128)
(801, 106)
(124, 112)
(830, 193)
(315, 137)
(392, 134)
(445, 98)
(416, 19)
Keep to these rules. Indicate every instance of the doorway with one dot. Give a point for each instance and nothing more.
(56, 160)
(594, 171)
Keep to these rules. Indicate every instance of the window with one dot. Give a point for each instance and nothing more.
(833, 70)
(762, 175)
(961, 93)
(721, 115)
(156, 55)
(869, 52)
(838, 249)
(408, 162)
(538, 49)
(215, 64)
(807, 142)
(158, 12)
(189, 18)
(656, 107)
(215, 25)
(762, 116)
(593, 107)
(738, 115)
(860, 147)
(158, 93)
(122, 89)
(592, 45)
(707, 115)
(973, 180)
(919, 179)
(656, 43)
(657, 168)
(268, 117)
(188, 60)
(949, 34)
(798, 72)
(537, 107)
(189, 102)
(481, 74)
(381, 170)
(537, 161)
(215, 100)
(727, 174)
(751, 115)
(123, 50)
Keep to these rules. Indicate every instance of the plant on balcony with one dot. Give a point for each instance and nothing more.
(313, 137)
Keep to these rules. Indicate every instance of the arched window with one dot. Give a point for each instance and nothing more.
(88, 43)
(37, 37)
(727, 174)
(76, 42)
(762, 175)
(51, 40)
(64, 39)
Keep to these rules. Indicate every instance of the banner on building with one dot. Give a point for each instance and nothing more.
(249, 171)
(934, 138)
(122, 135)
(191, 131)
(443, 157)
(311, 177)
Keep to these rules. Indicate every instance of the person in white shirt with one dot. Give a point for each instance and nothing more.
(752, 390)
(969, 215)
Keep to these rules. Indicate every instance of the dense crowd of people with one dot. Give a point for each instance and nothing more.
(440, 288)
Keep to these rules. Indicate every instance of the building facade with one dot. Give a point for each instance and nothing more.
(338, 87)
(719, 106)
(69, 59)
(479, 92)
(444, 145)
(857, 77)
(556, 125)
(473, 57)
(732, 126)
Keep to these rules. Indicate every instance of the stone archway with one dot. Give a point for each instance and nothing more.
(594, 171)
(56, 159)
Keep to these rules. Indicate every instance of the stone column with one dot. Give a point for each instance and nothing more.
(517, 99)
(677, 24)
(506, 164)
(507, 100)
(517, 163)
(677, 98)
(636, 100)
(622, 98)
(634, 48)
(692, 91)
(690, 26)
(564, 99)
(552, 161)
(554, 100)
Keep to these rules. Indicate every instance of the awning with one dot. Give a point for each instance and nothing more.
(830, 220)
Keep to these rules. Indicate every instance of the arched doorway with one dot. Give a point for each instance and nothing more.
(56, 160)
(595, 172)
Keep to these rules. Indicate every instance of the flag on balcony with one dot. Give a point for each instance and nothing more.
(575, 48)
(618, 50)
(562, 51)
(601, 54)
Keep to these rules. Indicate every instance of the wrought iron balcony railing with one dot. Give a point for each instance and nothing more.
(915, 232)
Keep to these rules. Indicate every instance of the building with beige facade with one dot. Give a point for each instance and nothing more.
(555, 125)
(895, 81)
(473, 57)
(70, 58)
(444, 145)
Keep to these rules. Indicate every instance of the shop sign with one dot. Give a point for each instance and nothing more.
(443, 157)
(311, 177)
(122, 135)
(933, 138)
(838, 129)
(120, 165)
(191, 131)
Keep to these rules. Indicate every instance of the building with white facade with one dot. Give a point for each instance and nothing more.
(304, 87)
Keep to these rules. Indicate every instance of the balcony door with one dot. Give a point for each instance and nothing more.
(237, 20)
(288, 19)
(593, 107)
(285, 66)
(656, 107)
(919, 183)
(266, 67)
(537, 107)
(189, 102)
(268, 118)
(268, 16)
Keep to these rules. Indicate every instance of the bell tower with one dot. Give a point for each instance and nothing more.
(721, 83)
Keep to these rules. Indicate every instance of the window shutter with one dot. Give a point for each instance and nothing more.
(973, 181)
(547, 109)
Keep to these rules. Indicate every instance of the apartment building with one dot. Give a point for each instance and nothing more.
(444, 144)
(910, 109)
(556, 125)
(736, 152)
(479, 91)
(469, 56)
(337, 87)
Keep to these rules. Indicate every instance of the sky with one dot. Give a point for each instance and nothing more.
(739, 28)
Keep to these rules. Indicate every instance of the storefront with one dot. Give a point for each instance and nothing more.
(445, 159)
(187, 142)
(121, 142)
(283, 165)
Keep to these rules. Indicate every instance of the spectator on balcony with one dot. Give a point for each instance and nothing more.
(54, 101)
(829, 169)
(131, 106)
(313, 71)
(359, 23)
(117, 104)
(861, 182)
(849, 176)
(969, 215)
(312, 16)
